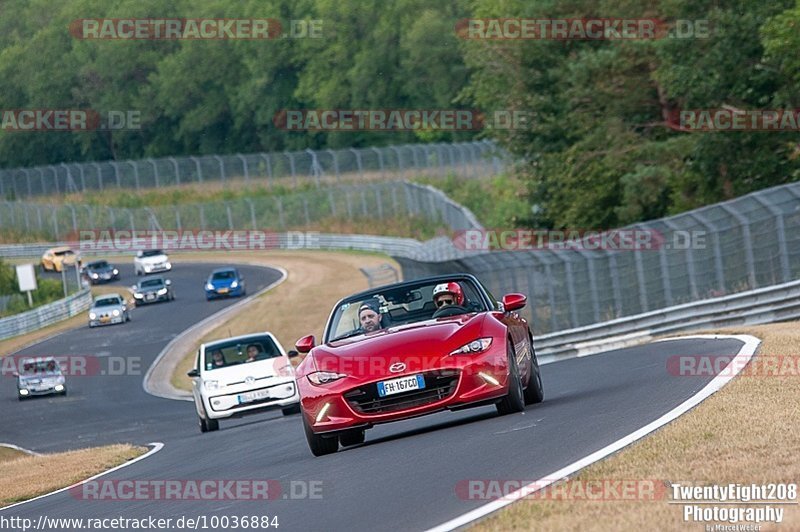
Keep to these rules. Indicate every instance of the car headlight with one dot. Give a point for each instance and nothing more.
(115, 312)
(147, 267)
(162, 291)
(137, 295)
(169, 265)
(92, 316)
(211, 385)
(209, 286)
(116, 271)
(95, 276)
(234, 284)
(475, 346)
(324, 377)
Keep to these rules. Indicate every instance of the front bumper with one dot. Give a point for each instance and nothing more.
(463, 382)
(103, 278)
(230, 401)
(29, 391)
(156, 268)
(110, 321)
(223, 292)
(155, 299)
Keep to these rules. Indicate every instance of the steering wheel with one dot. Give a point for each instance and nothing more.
(449, 310)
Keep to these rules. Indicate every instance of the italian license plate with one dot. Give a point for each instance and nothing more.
(252, 396)
(222, 290)
(400, 385)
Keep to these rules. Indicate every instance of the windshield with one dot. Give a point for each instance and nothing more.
(152, 253)
(151, 283)
(220, 355)
(399, 306)
(39, 367)
(97, 265)
(107, 302)
(220, 276)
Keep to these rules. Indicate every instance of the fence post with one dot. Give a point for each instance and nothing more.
(115, 166)
(199, 168)
(291, 167)
(155, 171)
(335, 163)
(269, 169)
(99, 175)
(246, 170)
(252, 213)
(358, 161)
(135, 166)
(780, 227)
(230, 216)
(222, 175)
(177, 170)
(316, 169)
(747, 243)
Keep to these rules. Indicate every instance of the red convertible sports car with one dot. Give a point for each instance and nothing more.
(411, 349)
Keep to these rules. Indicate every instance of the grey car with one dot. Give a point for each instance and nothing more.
(108, 309)
(152, 289)
(100, 271)
(41, 376)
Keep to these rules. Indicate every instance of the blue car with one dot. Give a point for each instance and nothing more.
(224, 282)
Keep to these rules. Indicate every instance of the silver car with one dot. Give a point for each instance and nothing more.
(108, 309)
(40, 376)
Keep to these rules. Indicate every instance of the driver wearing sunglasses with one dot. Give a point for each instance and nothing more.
(448, 294)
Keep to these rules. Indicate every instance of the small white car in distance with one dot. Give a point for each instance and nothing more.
(151, 261)
(242, 375)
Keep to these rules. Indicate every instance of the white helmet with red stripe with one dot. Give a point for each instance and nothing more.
(451, 288)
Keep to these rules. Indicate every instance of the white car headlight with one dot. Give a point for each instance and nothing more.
(95, 276)
(234, 284)
(115, 312)
(137, 295)
(475, 346)
(169, 265)
(211, 385)
(162, 291)
(116, 271)
(209, 286)
(92, 316)
(147, 267)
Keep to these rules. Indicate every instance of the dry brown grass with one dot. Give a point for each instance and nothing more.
(298, 306)
(749, 432)
(7, 453)
(28, 476)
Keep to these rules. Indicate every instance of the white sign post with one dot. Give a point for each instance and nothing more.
(26, 277)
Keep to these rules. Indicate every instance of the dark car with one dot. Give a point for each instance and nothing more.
(152, 289)
(225, 282)
(100, 271)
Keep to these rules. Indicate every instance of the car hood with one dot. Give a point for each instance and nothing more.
(102, 269)
(144, 290)
(420, 346)
(107, 309)
(217, 283)
(41, 377)
(239, 372)
(153, 260)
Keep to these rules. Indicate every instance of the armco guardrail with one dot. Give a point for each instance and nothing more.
(45, 315)
(764, 305)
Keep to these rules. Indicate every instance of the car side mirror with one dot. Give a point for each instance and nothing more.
(193, 373)
(15, 374)
(305, 344)
(514, 302)
(293, 354)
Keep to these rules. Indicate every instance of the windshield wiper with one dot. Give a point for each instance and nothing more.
(354, 332)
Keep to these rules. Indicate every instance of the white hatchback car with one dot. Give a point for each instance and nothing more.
(242, 375)
(151, 261)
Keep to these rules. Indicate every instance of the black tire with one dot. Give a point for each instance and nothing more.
(208, 425)
(352, 437)
(515, 400)
(534, 393)
(291, 410)
(319, 445)
(64, 391)
(203, 426)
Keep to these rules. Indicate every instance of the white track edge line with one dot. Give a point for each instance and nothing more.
(744, 355)
(157, 446)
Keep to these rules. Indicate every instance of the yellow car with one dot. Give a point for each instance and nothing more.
(54, 259)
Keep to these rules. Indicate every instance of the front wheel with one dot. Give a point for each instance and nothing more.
(208, 425)
(319, 446)
(534, 393)
(515, 400)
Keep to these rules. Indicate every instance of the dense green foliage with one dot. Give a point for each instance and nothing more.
(599, 152)
(49, 290)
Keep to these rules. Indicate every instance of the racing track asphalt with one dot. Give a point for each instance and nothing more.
(404, 476)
